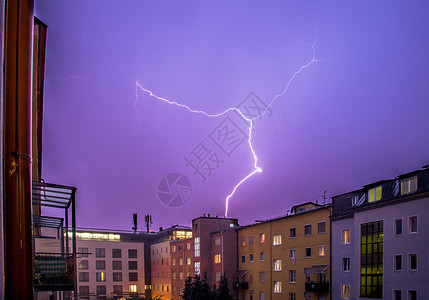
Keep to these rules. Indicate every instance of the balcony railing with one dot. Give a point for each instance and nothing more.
(317, 287)
(53, 272)
(241, 285)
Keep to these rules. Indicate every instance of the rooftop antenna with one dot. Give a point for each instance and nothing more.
(324, 197)
(148, 220)
(135, 222)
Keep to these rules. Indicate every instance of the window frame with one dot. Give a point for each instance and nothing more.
(410, 226)
(348, 287)
(321, 232)
(307, 256)
(394, 263)
(395, 233)
(305, 230)
(349, 236)
(290, 232)
(343, 260)
(324, 250)
(292, 276)
(409, 262)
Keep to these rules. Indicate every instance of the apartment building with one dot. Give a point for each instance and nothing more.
(380, 240)
(286, 257)
(182, 264)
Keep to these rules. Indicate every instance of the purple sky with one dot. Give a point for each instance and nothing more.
(357, 115)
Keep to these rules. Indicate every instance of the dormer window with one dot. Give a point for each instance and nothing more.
(374, 194)
(408, 185)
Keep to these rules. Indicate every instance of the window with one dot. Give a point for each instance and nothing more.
(173, 248)
(374, 194)
(262, 277)
(83, 276)
(398, 227)
(277, 240)
(292, 232)
(322, 250)
(83, 265)
(83, 252)
(217, 241)
(345, 292)
(101, 290)
(277, 287)
(188, 261)
(355, 200)
(180, 261)
(132, 253)
(99, 252)
(250, 257)
(117, 289)
(116, 253)
(132, 288)
(371, 269)
(174, 275)
(345, 236)
(408, 186)
(117, 265)
(243, 241)
(174, 290)
(413, 224)
(321, 227)
(412, 295)
(188, 245)
(174, 261)
(292, 276)
(398, 262)
(262, 256)
(133, 276)
(180, 247)
(308, 252)
(180, 275)
(262, 238)
(243, 258)
(292, 253)
(132, 265)
(196, 227)
(217, 276)
(251, 240)
(197, 247)
(346, 264)
(292, 296)
(197, 268)
(397, 295)
(217, 259)
(100, 264)
(307, 229)
(412, 262)
(100, 276)
(117, 276)
(277, 265)
(262, 295)
(84, 291)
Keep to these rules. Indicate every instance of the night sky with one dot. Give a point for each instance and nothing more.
(358, 114)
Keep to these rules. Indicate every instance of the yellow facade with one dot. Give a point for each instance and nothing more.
(277, 262)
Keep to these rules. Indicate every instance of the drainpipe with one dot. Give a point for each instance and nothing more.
(18, 252)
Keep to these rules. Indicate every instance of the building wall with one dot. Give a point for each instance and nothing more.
(181, 249)
(161, 269)
(281, 252)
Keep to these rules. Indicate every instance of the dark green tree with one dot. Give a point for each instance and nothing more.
(187, 290)
(223, 292)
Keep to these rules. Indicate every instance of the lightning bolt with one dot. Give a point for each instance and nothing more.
(256, 168)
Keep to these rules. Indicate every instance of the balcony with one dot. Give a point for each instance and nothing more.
(53, 272)
(317, 287)
(241, 285)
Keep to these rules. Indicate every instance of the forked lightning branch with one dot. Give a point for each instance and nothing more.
(248, 120)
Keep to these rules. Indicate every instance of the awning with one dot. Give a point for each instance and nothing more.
(241, 273)
(318, 269)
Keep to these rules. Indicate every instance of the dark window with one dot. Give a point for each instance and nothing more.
(292, 232)
(117, 276)
(398, 262)
(321, 227)
(117, 265)
(251, 240)
(133, 276)
(250, 257)
(346, 264)
(116, 253)
(307, 229)
(397, 294)
(371, 274)
(100, 264)
(398, 226)
(117, 289)
(99, 252)
(262, 256)
(101, 290)
(132, 265)
(412, 295)
(83, 265)
(83, 252)
(308, 252)
(413, 262)
(132, 253)
(84, 291)
(83, 276)
(243, 258)
(413, 224)
(180, 247)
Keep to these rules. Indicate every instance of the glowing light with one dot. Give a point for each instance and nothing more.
(256, 168)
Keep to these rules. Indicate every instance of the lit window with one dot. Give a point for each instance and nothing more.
(277, 265)
(277, 240)
(181, 275)
(398, 227)
(262, 256)
(262, 238)
(243, 241)
(100, 276)
(307, 252)
(374, 194)
(173, 248)
(197, 247)
(174, 275)
(197, 268)
(322, 250)
(217, 259)
(412, 262)
(83, 265)
(251, 257)
(277, 287)
(408, 186)
(132, 288)
(180, 261)
(321, 227)
(251, 240)
(413, 224)
(307, 229)
(345, 292)
(292, 232)
(346, 264)
(262, 277)
(292, 276)
(398, 262)
(292, 253)
(345, 236)
(174, 261)
(188, 261)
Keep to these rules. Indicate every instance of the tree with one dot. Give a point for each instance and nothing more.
(187, 290)
(223, 292)
(199, 289)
